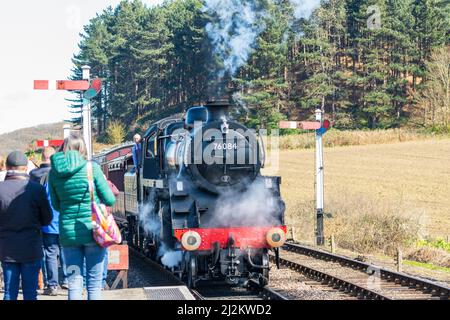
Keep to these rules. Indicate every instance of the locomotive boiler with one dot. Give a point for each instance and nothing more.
(199, 203)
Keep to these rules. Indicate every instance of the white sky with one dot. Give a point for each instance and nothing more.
(37, 41)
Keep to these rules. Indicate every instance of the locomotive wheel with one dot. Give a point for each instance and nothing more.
(192, 270)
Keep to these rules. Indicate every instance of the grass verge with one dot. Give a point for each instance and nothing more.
(426, 266)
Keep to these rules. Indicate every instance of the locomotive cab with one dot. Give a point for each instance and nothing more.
(150, 155)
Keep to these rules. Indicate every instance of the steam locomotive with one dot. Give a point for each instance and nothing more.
(198, 202)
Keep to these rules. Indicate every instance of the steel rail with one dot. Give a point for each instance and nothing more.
(399, 278)
(266, 292)
(346, 286)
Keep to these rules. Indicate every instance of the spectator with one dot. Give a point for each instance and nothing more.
(24, 210)
(50, 234)
(69, 190)
(2, 169)
(2, 178)
(137, 151)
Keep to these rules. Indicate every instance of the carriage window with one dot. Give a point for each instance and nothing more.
(150, 150)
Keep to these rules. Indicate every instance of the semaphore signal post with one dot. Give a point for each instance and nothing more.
(89, 90)
(320, 126)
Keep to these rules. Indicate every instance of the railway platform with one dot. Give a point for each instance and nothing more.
(147, 293)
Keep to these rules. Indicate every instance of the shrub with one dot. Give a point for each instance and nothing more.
(360, 223)
(438, 257)
(367, 225)
(115, 133)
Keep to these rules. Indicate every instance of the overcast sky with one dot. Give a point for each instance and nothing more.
(38, 40)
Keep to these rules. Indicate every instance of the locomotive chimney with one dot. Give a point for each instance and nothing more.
(218, 110)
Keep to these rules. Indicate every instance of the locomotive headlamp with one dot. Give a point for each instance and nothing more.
(276, 237)
(191, 241)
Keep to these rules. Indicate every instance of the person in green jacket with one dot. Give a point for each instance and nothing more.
(69, 192)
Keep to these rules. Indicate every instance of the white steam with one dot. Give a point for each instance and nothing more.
(304, 8)
(151, 224)
(148, 219)
(257, 206)
(236, 26)
(169, 257)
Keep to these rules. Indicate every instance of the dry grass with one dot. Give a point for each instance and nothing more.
(378, 194)
(335, 138)
(362, 224)
(434, 256)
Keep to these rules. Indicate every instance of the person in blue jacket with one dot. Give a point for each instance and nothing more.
(137, 151)
(50, 233)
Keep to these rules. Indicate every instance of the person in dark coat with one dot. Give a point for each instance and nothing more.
(50, 234)
(24, 209)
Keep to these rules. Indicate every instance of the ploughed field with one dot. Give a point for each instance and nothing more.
(409, 178)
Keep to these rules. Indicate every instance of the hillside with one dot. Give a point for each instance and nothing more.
(20, 139)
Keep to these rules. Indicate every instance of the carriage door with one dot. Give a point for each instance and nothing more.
(151, 159)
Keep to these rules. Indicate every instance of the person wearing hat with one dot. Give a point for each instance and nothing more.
(24, 210)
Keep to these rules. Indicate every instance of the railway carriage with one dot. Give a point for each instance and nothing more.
(188, 204)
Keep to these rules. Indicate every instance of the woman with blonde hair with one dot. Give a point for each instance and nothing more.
(69, 191)
(2, 169)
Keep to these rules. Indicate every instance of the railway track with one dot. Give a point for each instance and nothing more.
(356, 278)
(220, 291)
(210, 290)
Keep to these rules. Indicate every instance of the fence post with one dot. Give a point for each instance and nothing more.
(333, 244)
(293, 234)
(399, 260)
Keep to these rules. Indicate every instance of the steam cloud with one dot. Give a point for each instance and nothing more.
(236, 25)
(304, 8)
(169, 258)
(151, 225)
(254, 207)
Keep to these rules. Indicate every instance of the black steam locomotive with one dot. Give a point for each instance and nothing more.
(198, 202)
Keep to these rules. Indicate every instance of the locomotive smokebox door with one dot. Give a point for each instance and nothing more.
(150, 155)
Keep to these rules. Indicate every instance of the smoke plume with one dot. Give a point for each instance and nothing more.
(235, 26)
(304, 8)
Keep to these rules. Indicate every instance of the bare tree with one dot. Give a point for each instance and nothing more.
(434, 99)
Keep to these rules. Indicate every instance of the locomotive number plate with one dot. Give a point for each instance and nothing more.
(225, 146)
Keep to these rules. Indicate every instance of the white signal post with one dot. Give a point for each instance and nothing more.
(320, 126)
(319, 181)
(87, 135)
(66, 129)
